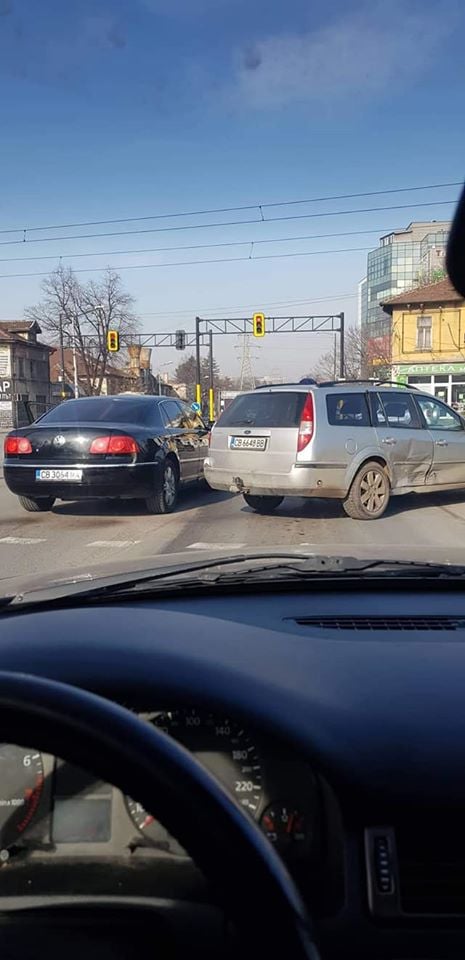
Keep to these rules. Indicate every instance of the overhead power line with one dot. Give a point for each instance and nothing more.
(269, 304)
(229, 223)
(238, 209)
(191, 246)
(191, 263)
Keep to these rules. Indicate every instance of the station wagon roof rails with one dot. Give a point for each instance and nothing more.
(295, 383)
(343, 383)
(393, 383)
(368, 382)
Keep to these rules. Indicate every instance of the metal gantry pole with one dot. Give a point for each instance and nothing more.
(198, 386)
(341, 352)
(211, 386)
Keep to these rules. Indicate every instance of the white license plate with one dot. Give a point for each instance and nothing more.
(247, 443)
(58, 475)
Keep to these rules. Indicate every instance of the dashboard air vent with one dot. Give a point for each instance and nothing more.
(382, 623)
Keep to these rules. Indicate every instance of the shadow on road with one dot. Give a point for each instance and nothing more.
(310, 508)
(197, 495)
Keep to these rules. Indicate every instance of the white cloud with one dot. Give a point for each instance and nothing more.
(356, 57)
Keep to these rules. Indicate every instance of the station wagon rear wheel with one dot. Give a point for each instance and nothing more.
(369, 494)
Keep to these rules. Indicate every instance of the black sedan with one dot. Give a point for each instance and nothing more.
(126, 446)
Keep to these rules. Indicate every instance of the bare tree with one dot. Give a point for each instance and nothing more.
(87, 311)
(363, 357)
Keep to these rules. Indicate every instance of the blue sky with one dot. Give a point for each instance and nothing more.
(126, 108)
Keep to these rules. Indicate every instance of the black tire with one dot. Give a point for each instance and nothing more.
(39, 505)
(262, 504)
(369, 494)
(165, 497)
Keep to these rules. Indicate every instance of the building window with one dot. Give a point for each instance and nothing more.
(20, 367)
(424, 326)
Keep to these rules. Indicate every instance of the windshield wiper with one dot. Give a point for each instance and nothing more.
(251, 568)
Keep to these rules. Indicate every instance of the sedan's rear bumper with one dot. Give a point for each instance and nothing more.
(103, 480)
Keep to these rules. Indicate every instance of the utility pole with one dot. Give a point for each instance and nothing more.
(198, 386)
(211, 389)
(341, 353)
(75, 364)
(62, 354)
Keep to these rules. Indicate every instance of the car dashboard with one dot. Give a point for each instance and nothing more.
(333, 712)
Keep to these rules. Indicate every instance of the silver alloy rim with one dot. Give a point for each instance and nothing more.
(373, 491)
(169, 486)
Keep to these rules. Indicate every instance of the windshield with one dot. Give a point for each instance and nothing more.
(226, 323)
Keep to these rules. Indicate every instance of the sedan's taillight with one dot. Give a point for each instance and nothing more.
(15, 445)
(114, 445)
(306, 424)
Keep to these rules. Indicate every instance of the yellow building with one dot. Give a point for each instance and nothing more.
(428, 340)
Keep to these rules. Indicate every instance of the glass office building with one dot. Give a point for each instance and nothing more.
(403, 259)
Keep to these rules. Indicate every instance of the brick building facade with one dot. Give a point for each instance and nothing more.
(24, 373)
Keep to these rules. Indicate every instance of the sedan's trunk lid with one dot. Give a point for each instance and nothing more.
(67, 444)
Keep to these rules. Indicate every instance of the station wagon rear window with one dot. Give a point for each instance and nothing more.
(347, 410)
(264, 410)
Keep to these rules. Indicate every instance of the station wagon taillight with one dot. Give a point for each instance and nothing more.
(114, 445)
(15, 445)
(306, 424)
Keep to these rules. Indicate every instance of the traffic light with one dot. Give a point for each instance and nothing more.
(259, 324)
(113, 341)
(180, 340)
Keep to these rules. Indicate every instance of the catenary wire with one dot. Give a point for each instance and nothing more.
(239, 208)
(190, 263)
(230, 223)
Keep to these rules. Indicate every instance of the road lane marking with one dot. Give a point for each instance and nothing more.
(113, 543)
(200, 545)
(23, 541)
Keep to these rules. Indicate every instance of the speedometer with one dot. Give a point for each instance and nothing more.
(21, 786)
(223, 746)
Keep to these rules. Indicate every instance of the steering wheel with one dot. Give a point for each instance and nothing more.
(109, 741)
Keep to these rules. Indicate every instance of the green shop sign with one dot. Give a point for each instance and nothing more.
(403, 370)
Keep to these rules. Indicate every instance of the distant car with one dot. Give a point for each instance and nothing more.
(359, 442)
(131, 446)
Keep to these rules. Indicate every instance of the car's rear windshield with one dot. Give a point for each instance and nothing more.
(264, 410)
(101, 410)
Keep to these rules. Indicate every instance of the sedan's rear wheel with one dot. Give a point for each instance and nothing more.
(262, 504)
(36, 505)
(165, 497)
(369, 494)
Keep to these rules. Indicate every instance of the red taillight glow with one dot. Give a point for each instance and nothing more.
(114, 445)
(306, 424)
(15, 445)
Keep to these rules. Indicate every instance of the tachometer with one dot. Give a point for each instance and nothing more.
(21, 786)
(223, 746)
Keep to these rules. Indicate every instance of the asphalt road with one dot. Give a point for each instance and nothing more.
(83, 534)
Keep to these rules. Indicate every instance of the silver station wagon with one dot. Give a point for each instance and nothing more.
(360, 442)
